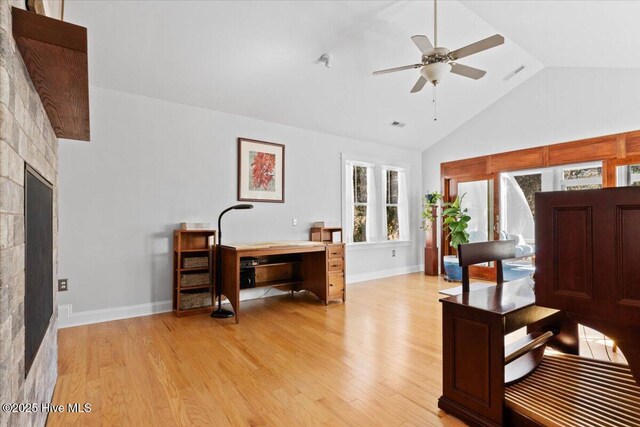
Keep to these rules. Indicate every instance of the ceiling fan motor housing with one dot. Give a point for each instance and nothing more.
(438, 54)
(435, 71)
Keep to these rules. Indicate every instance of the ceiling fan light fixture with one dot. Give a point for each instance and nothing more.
(435, 72)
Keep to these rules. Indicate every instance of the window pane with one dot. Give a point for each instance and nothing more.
(476, 199)
(518, 207)
(530, 185)
(393, 228)
(583, 187)
(628, 176)
(359, 223)
(582, 173)
(392, 187)
(360, 184)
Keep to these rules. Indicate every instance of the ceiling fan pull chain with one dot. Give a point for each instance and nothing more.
(435, 104)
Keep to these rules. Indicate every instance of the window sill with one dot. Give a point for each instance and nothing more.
(365, 246)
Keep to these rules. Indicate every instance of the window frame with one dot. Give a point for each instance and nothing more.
(374, 220)
(624, 176)
(386, 205)
(370, 169)
(552, 179)
(565, 184)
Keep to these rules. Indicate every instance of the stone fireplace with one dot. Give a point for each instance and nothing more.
(27, 140)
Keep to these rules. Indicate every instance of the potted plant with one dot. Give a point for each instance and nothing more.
(456, 222)
(430, 203)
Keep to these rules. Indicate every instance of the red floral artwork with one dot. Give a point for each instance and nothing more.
(262, 171)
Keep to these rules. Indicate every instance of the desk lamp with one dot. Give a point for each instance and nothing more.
(221, 313)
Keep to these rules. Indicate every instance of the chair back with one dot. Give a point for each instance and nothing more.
(476, 253)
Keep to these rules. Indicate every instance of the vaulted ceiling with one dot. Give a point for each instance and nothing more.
(259, 59)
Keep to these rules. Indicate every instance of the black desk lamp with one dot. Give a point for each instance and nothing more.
(220, 312)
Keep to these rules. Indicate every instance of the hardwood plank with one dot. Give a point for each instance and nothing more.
(375, 360)
(292, 361)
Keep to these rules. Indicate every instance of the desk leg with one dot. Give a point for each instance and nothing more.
(231, 279)
(314, 274)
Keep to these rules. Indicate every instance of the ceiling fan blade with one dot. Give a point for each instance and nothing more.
(392, 70)
(419, 85)
(488, 43)
(463, 70)
(423, 43)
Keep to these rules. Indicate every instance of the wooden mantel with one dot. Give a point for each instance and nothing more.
(55, 54)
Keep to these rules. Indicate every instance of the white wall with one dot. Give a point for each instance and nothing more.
(152, 164)
(555, 105)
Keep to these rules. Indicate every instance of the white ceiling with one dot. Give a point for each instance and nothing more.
(259, 59)
(569, 33)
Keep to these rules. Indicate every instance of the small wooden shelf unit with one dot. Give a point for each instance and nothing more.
(193, 244)
(324, 234)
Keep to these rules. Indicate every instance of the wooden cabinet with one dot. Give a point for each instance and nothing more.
(193, 271)
(587, 250)
(335, 260)
(336, 271)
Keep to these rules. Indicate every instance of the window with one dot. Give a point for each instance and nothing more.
(475, 198)
(375, 200)
(530, 185)
(360, 203)
(582, 178)
(518, 189)
(393, 224)
(517, 205)
(628, 175)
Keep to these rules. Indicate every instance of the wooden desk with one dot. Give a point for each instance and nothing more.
(313, 266)
(473, 353)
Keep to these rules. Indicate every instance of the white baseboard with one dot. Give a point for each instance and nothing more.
(67, 318)
(355, 278)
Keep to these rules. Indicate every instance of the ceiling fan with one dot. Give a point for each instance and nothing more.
(437, 61)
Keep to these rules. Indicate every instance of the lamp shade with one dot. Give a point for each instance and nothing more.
(435, 72)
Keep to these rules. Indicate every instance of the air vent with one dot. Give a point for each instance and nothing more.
(397, 124)
(513, 73)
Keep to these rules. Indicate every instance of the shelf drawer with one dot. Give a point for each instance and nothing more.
(194, 279)
(336, 284)
(335, 251)
(336, 264)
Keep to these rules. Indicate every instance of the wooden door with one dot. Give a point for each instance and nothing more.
(481, 197)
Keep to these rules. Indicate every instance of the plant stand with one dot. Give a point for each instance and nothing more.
(431, 248)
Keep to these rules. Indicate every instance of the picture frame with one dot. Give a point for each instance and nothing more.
(260, 171)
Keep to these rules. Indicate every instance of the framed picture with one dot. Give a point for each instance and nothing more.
(260, 171)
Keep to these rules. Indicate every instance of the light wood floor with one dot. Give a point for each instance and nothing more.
(374, 361)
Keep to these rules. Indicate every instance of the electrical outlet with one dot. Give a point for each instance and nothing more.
(393, 253)
(63, 285)
(294, 221)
